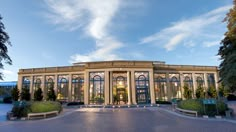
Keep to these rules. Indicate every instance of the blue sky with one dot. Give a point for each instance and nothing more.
(59, 32)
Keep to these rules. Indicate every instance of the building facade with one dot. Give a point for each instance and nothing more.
(118, 82)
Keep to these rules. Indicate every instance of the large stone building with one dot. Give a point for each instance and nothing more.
(118, 82)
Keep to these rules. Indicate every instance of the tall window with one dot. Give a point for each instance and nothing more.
(96, 89)
(142, 87)
(188, 81)
(26, 82)
(160, 86)
(37, 82)
(49, 83)
(175, 85)
(78, 88)
(200, 79)
(62, 93)
(120, 93)
(211, 80)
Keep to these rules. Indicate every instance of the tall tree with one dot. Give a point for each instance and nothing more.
(4, 41)
(227, 52)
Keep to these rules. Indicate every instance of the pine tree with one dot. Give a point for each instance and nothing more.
(187, 92)
(200, 92)
(51, 93)
(212, 92)
(15, 94)
(38, 94)
(25, 94)
(4, 40)
(227, 52)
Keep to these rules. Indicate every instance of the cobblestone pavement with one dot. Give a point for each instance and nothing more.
(118, 120)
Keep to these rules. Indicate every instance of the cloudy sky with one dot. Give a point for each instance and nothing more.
(60, 32)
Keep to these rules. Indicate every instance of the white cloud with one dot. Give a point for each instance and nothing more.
(94, 17)
(7, 72)
(202, 29)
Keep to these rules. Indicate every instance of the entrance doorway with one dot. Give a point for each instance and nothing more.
(142, 87)
(120, 95)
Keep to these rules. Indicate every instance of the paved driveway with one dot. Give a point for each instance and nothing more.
(4, 108)
(123, 120)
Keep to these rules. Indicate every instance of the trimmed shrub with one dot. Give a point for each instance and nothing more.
(200, 92)
(75, 103)
(47, 106)
(38, 94)
(25, 94)
(163, 102)
(15, 94)
(197, 105)
(187, 92)
(212, 92)
(7, 100)
(22, 108)
(51, 94)
(231, 97)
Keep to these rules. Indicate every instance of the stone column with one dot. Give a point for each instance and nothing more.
(106, 88)
(69, 88)
(133, 89)
(205, 82)
(19, 83)
(55, 84)
(181, 84)
(194, 85)
(152, 91)
(43, 88)
(216, 82)
(111, 87)
(32, 87)
(169, 93)
(86, 87)
(128, 87)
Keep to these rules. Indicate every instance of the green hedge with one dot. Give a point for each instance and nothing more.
(197, 105)
(22, 108)
(47, 106)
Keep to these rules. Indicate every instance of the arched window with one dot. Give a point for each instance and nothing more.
(189, 83)
(62, 89)
(160, 87)
(26, 83)
(175, 87)
(96, 89)
(211, 80)
(77, 88)
(49, 84)
(142, 87)
(200, 82)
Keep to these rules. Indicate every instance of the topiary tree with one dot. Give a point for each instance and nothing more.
(51, 93)
(187, 92)
(38, 94)
(200, 92)
(15, 94)
(25, 94)
(212, 92)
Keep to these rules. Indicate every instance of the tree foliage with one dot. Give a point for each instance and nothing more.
(38, 94)
(51, 93)
(4, 41)
(227, 51)
(25, 94)
(15, 94)
(212, 92)
(187, 92)
(200, 92)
